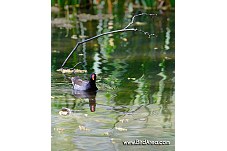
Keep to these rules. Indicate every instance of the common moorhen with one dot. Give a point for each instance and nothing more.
(80, 85)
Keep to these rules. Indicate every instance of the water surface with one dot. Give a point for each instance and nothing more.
(135, 77)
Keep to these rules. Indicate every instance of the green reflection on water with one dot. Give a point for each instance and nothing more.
(135, 77)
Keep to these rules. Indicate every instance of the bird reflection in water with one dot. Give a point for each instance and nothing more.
(91, 95)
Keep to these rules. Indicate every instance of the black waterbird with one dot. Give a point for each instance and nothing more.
(80, 85)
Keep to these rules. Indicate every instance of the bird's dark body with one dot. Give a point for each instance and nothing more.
(80, 85)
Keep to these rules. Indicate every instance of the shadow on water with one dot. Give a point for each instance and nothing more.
(135, 77)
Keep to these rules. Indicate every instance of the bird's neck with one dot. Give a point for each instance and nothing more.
(92, 82)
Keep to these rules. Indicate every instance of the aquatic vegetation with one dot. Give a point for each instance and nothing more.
(70, 71)
(88, 17)
(121, 129)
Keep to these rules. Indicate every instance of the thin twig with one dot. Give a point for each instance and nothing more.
(133, 18)
(77, 65)
(111, 32)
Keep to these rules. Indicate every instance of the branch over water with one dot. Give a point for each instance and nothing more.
(112, 32)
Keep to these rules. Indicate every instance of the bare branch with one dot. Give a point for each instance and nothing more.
(111, 32)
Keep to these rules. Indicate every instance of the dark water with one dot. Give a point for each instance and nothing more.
(135, 77)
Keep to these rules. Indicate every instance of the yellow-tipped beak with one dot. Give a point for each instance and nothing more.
(93, 77)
